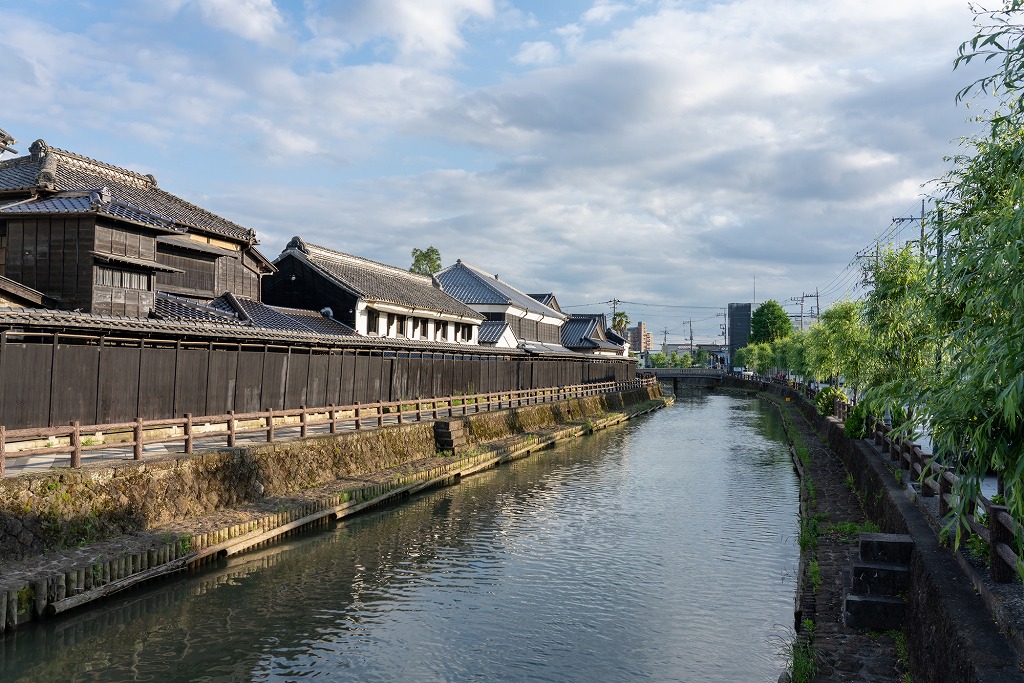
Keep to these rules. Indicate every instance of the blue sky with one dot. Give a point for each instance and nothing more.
(667, 153)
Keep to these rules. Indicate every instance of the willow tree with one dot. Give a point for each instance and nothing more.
(975, 403)
(899, 318)
(838, 346)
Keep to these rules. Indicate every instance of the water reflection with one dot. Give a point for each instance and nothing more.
(661, 550)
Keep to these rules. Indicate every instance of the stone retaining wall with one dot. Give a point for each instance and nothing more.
(950, 634)
(56, 582)
(71, 507)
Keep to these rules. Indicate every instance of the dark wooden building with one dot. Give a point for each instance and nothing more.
(102, 239)
(374, 299)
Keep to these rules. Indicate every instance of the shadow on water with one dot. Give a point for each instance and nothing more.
(660, 550)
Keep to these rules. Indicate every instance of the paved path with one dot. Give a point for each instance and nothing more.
(842, 653)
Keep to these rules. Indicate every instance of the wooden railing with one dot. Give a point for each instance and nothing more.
(75, 439)
(999, 530)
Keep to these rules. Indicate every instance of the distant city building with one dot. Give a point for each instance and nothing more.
(739, 327)
(640, 339)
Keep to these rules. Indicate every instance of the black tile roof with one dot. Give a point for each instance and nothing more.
(170, 307)
(17, 320)
(373, 281)
(474, 286)
(48, 169)
(96, 201)
(491, 331)
(586, 331)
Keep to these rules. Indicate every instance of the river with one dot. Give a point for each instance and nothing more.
(661, 550)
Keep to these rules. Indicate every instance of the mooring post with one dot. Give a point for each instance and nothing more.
(138, 438)
(76, 444)
(188, 433)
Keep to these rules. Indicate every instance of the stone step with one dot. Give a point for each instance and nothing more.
(873, 612)
(878, 578)
(449, 442)
(893, 548)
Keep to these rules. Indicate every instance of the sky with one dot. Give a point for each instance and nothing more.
(674, 155)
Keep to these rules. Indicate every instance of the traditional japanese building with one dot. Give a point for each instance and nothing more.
(93, 237)
(589, 333)
(533, 325)
(372, 298)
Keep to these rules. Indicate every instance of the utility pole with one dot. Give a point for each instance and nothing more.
(691, 336)
(664, 343)
(906, 219)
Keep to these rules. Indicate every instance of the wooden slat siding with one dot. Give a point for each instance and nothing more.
(275, 369)
(118, 396)
(199, 278)
(156, 382)
(75, 376)
(316, 392)
(374, 368)
(25, 377)
(191, 381)
(15, 249)
(248, 381)
(348, 378)
(298, 378)
(222, 379)
(332, 387)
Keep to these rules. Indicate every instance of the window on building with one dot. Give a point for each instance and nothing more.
(442, 331)
(372, 322)
(400, 326)
(124, 279)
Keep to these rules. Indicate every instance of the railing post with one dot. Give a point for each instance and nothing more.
(380, 414)
(188, 433)
(138, 438)
(401, 413)
(231, 429)
(999, 569)
(419, 410)
(270, 425)
(433, 411)
(333, 415)
(3, 451)
(945, 492)
(358, 411)
(303, 421)
(76, 444)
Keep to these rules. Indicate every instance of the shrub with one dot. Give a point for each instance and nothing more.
(856, 423)
(825, 399)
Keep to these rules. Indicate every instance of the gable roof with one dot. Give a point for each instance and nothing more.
(548, 299)
(586, 331)
(473, 286)
(19, 294)
(52, 170)
(374, 281)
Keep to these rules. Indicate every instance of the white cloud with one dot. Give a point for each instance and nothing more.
(537, 53)
(256, 20)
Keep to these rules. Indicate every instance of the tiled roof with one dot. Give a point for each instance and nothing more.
(52, 169)
(584, 331)
(170, 307)
(15, 290)
(374, 281)
(491, 331)
(196, 328)
(474, 286)
(88, 201)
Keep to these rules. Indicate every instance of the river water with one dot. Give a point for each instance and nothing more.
(661, 550)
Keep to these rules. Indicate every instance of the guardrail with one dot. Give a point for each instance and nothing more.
(998, 530)
(76, 439)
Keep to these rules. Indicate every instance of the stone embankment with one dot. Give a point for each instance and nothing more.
(69, 537)
(948, 634)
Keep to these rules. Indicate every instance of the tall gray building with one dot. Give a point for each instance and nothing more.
(739, 327)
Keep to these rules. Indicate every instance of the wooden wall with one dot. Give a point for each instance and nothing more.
(53, 380)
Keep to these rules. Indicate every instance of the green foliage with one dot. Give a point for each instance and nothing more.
(825, 400)
(425, 261)
(856, 424)
(620, 321)
(769, 322)
(803, 666)
(815, 573)
(838, 345)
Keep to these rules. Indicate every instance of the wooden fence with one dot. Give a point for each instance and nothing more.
(76, 439)
(992, 523)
